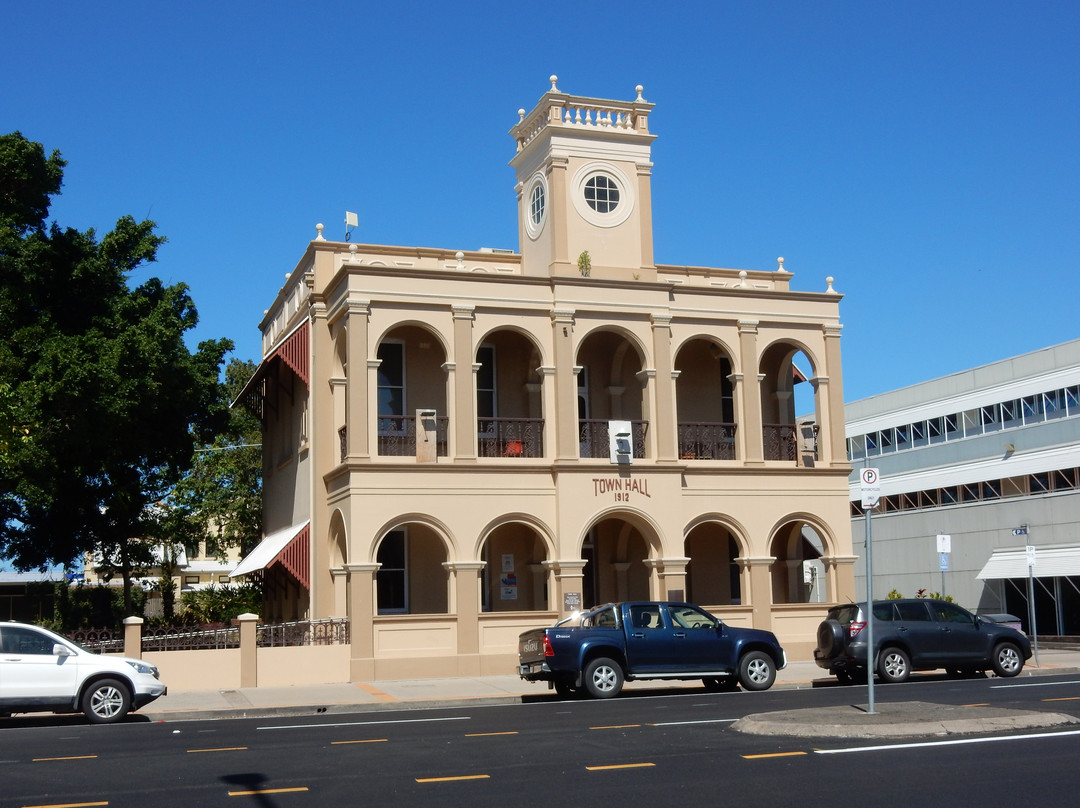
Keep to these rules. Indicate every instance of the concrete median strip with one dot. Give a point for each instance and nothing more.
(899, 720)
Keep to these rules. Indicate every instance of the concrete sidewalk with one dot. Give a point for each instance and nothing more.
(352, 697)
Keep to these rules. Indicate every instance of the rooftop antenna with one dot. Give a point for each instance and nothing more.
(351, 220)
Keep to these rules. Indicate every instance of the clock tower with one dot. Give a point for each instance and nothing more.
(584, 187)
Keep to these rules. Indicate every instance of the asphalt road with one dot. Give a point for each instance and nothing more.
(646, 750)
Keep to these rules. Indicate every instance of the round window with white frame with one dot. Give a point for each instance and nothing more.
(602, 194)
(536, 193)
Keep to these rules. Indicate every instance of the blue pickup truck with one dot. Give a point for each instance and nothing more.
(599, 650)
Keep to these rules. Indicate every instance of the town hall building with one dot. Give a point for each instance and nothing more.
(463, 444)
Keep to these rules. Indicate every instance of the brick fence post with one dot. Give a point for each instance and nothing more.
(133, 637)
(249, 658)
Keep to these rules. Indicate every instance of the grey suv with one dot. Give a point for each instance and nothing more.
(917, 634)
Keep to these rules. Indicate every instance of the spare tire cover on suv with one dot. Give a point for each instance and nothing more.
(830, 638)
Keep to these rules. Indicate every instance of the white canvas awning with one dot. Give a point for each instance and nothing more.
(268, 550)
(1050, 562)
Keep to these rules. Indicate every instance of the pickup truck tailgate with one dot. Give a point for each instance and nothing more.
(531, 650)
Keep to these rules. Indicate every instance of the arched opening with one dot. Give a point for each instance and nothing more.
(614, 551)
(705, 400)
(509, 405)
(514, 578)
(798, 574)
(410, 377)
(411, 578)
(610, 387)
(713, 577)
(789, 415)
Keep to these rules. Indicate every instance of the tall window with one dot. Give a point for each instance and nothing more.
(485, 387)
(391, 386)
(391, 578)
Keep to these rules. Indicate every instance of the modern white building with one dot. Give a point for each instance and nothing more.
(989, 458)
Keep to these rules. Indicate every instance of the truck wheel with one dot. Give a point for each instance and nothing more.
(105, 701)
(757, 671)
(603, 678)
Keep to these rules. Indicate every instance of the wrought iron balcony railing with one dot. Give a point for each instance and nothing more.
(706, 441)
(594, 442)
(510, 437)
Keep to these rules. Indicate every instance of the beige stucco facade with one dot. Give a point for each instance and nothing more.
(445, 424)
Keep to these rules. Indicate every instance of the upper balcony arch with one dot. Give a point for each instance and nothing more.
(790, 406)
(508, 386)
(628, 339)
(537, 348)
(611, 385)
(717, 346)
(410, 374)
(390, 332)
(705, 400)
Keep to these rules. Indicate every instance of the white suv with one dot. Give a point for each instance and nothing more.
(44, 672)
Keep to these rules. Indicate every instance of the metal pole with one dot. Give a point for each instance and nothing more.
(870, 658)
(1031, 615)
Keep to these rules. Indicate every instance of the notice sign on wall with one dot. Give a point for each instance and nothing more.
(508, 583)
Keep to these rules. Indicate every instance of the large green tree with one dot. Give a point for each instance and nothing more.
(104, 401)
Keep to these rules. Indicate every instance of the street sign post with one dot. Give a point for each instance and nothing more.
(944, 547)
(870, 488)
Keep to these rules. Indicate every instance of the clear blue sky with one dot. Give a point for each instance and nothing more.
(925, 154)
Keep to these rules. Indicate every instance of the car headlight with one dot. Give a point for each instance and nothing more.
(142, 667)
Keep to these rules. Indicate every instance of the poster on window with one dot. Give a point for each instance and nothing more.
(508, 562)
(508, 586)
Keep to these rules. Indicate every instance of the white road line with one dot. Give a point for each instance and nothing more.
(956, 742)
(369, 723)
(1038, 684)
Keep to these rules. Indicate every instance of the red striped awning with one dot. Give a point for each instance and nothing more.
(294, 353)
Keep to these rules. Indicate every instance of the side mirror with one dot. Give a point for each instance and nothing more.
(62, 650)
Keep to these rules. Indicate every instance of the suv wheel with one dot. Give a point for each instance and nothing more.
(105, 701)
(893, 665)
(1007, 660)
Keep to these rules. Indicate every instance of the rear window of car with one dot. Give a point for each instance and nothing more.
(844, 614)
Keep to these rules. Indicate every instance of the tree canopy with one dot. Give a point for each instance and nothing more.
(101, 401)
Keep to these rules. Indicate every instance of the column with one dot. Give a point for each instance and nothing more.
(464, 385)
(664, 414)
(249, 650)
(567, 592)
(667, 578)
(361, 602)
(748, 395)
(759, 588)
(565, 421)
(357, 393)
(465, 592)
(833, 399)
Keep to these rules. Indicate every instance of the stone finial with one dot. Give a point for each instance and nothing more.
(460, 256)
(319, 227)
(830, 290)
(352, 251)
(780, 264)
(553, 78)
(640, 89)
(521, 115)
(742, 279)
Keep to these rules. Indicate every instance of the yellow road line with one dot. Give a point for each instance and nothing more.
(67, 805)
(774, 754)
(256, 791)
(451, 779)
(367, 740)
(619, 766)
(374, 691)
(72, 757)
(486, 734)
(219, 749)
(618, 726)
(1064, 698)
(977, 704)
